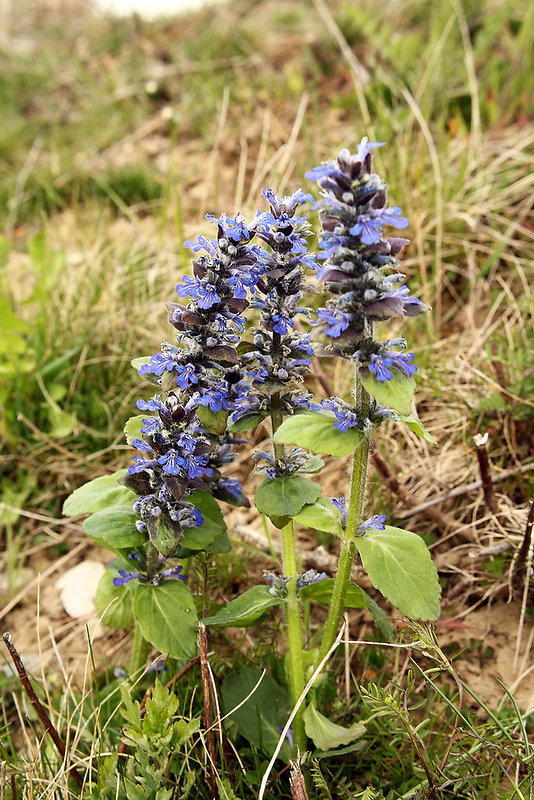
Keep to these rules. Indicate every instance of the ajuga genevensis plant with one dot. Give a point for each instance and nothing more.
(240, 352)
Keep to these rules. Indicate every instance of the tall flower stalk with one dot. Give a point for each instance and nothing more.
(278, 363)
(184, 443)
(360, 275)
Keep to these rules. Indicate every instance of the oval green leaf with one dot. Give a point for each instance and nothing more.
(98, 494)
(114, 528)
(164, 537)
(114, 604)
(214, 420)
(399, 565)
(325, 734)
(167, 617)
(261, 709)
(316, 432)
(417, 427)
(396, 393)
(132, 429)
(245, 609)
(284, 497)
(313, 465)
(212, 528)
(321, 516)
(321, 592)
(247, 421)
(380, 618)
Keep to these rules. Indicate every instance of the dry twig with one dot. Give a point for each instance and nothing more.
(36, 703)
(207, 704)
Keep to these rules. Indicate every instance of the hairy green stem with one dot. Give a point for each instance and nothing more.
(354, 518)
(139, 651)
(294, 633)
(295, 666)
(140, 646)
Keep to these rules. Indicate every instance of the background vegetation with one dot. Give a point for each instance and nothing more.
(116, 137)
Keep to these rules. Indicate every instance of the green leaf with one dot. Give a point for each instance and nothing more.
(417, 427)
(245, 347)
(165, 539)
(214, 420)
(245, 609)
(263, 715)
(226, 791)
(62, 423)
(138, 362)
(114, 528)
(247, 421)
(98, 494)
(321, 592)
(212, 528)
(221, 544)
(321, 516)
(399, 565)
(313, 465)
(327, 735)
(167, 617)
(284, 497)
(343, 751)
(396, 393)
(114, 604)
(316, 432)
(15, 495)
(380, 618)
(132, 429)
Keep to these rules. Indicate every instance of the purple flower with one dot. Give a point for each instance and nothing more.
(332, 244)
(150, 425)
(341, 504)
(338, 321)
(196, 466)
(126, 576)
(173, 572)
(365, 147)
(234, 229)
(288, 204)
(203, 243)
(140, 445)
(158, 364)
(367, 227)
(278, 583)
(309, 577)
(231, 486)
(283, 323)
(376, 522)
(394, 303)
(329, 169)
(361, 265)
(154, 404)
(185, 375)
(346, 417)
(381, 365)
(171, 462)
(140, 465)
(196, 519)
(392, 216)
(215, 400)
(203, 292)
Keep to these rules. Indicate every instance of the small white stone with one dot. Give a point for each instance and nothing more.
(149, 9)
(77, 587)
